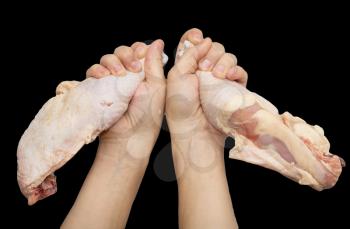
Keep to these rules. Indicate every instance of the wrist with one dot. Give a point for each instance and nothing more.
(199, 152)
(124, 151)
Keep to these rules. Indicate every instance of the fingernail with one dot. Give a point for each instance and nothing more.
(219, 70)
(205, 64)
(117, 69)
(136, 65)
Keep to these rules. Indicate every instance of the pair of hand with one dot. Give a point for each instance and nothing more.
(111, 186)
(138, 129)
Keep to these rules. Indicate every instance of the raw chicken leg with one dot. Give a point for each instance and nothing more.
(283, 143)
(75, 116)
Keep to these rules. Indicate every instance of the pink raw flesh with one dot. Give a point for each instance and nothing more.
(47, 188)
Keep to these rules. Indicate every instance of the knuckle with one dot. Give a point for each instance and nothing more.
(121, 49)
(137, 44)
(92, 70)
(232, 57)
(106, 58)
(243, 72)
(241, 69)
(218, 47)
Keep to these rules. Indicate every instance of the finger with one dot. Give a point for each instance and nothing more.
(97, 71)
(153, 61)
(188, 63)
(214, 54)
(226, 62)
(194, 35)
(139, 49)
(113, 64)
(126, 56)
(238, 74)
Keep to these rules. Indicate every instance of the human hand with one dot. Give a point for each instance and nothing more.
(138, 129)
(185, 116)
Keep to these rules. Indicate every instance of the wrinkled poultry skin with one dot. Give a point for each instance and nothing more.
(283, 143)
(75, 116)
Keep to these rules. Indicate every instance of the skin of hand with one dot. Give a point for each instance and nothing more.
(197, 147)
(109, 189)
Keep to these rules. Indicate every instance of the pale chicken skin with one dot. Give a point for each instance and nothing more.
(78, 113)
(283, 143)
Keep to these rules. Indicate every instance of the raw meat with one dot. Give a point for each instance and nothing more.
(78, 113)
(284, 143)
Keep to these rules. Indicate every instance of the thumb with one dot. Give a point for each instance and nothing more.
(153, 62)
(188, 63)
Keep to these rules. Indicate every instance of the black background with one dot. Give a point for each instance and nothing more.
(296, 57)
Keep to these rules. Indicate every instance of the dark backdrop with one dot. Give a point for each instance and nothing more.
(296, 58)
